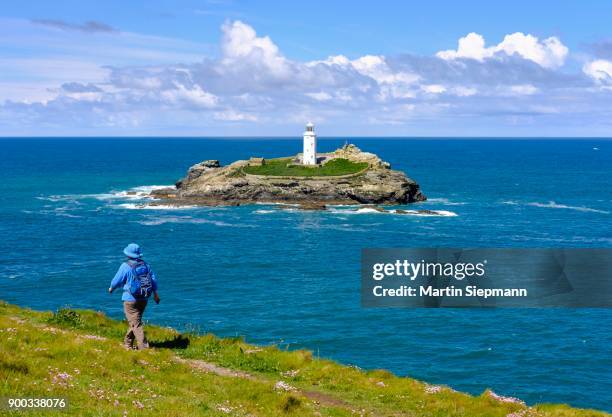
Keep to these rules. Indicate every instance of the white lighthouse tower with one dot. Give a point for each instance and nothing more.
(309, 156)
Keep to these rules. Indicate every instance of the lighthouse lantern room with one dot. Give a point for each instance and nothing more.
(309, 156)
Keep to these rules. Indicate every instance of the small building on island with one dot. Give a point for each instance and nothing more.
(309, 156)
(256, 161)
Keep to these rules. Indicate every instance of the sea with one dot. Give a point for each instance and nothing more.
(273, 275)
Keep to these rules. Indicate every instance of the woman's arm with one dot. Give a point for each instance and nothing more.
(120, 278)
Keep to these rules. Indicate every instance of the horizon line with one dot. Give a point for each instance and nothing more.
(273, 137)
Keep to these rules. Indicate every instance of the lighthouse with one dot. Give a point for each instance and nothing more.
(309, 156)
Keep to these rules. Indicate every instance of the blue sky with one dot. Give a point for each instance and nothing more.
(223, 67)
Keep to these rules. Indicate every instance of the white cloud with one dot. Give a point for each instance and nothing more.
(433, 88)
(392, 83)
(599, 70)
(233, 116)
(523, 89)
(86, 96)
(462, 91)
(470, 46)
(376, 67)
(332, 60)
(549, 53)
(320, 96)
(195, 96)
(241, 45)
(251, 81)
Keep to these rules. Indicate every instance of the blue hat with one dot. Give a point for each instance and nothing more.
(133, 251)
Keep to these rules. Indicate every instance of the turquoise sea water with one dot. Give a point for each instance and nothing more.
(292, 277)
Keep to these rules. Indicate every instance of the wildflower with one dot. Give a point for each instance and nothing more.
(61, 379)
(290, 374)
(283, 386)
(225, 408)
(432, 389)
(138, 404)
(93, 337)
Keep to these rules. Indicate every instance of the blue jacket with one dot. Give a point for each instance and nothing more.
(122, 280)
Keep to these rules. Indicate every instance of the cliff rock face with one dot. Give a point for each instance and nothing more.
(208, 183)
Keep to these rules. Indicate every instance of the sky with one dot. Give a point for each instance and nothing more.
(246, 68)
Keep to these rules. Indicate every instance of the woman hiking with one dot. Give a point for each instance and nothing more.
(139, 282)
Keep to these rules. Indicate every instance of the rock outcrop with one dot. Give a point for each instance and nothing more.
(208, 183)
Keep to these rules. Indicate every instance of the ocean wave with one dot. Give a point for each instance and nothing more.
(428, 213)
(445, 201)
(272, 203)
(553, 205)
(367, 210)
(141, 192)
(135, 193)
(142, 206)
(63, 214)
(189, 220)
(265, 211)
(55, 198)
(401, 212)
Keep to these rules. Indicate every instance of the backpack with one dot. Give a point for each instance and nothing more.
(140, 282)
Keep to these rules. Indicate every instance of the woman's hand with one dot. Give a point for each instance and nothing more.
(156, 298)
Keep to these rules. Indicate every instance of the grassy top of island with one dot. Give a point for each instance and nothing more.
(78, 354)
(283, 167)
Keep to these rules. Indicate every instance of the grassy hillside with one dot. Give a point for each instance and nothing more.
(278, 167)
(79, 355)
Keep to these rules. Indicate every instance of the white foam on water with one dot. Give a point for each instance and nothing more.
(62, 214)
(369, 210)
(189, 220)
(265, 211)
(52, 198)
(136, 193)
(272, 203)
(142, 206)
(352, 210)
(552, 204)
(429, 213)
(445, 201)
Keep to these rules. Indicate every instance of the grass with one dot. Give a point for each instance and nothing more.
(77, 354)
(280, 167)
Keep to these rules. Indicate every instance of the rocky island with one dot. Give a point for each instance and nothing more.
(345, 176)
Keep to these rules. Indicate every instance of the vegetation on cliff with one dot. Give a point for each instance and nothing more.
(282, 167)
(78, 355)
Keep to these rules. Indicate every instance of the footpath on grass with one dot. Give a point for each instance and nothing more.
(78, 355)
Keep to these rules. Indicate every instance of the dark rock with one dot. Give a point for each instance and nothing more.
(198, 169)
(312, 205)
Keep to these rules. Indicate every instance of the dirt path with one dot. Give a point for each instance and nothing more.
(315, 396)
